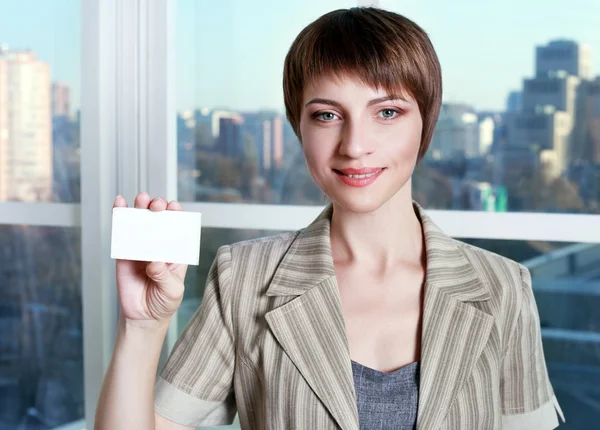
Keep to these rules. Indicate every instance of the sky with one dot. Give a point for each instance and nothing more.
(230, 53)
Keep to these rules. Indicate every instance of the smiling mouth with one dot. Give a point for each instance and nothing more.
(359, 178)
(359, 175)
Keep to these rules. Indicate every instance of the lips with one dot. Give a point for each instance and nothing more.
(364, 171)
(359, 177)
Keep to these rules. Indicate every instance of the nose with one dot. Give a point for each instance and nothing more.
(355, 141)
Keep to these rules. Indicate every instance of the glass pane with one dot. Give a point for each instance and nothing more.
(566, 285)
(519, 128)
(41, 349)
(39, 100)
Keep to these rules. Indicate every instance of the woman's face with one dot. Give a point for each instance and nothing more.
(361, 144)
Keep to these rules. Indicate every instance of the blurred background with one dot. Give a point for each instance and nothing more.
(183, 98)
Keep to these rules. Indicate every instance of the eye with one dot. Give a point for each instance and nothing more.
(388, 113)
(325, 116)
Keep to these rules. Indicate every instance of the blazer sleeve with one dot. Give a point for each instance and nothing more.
(528, 400)
(195, 387)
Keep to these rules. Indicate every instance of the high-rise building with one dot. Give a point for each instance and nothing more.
(544, 129)
(25, 127)
(266, 131)
(487, 130)
(552, 103)
(517, 169)
(215, 120)
(204, 134)
(514, 101)
(594, 119)
(186, 136)
(61, 102)
(229, 143)
(457, 133)
(567, 55)
(557, 89)
(585, 145)
(277, 146)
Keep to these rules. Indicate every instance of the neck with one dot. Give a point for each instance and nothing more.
(380, 238)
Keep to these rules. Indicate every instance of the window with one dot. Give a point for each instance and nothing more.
(30, 59)
(41, 351)
(41, 330)
(493, 149)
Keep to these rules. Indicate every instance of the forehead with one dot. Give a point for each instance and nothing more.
(349, 85)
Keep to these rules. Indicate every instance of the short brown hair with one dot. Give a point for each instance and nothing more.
(383, 49)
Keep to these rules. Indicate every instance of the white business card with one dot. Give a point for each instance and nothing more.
(166, 236)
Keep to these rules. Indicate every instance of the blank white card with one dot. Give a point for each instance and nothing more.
(166, 236)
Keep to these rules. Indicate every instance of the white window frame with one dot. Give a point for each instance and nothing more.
(459, 224)
(100, 134)
(128, 135)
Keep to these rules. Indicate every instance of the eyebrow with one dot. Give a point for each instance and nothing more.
(371, 103)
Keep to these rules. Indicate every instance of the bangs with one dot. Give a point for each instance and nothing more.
(349, 48)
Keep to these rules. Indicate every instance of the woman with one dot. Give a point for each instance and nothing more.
(370, 316)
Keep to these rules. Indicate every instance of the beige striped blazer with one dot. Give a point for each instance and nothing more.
(269, 341)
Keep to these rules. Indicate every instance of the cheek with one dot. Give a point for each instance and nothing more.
(310, 149)
(407, 142)
(314, 154)
(318, 145)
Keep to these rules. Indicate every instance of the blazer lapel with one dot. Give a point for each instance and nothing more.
(454, 331)
(311, 327)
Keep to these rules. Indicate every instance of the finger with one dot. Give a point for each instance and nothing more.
(158, 272)
(162, 276)
(120, 202)
(174, 205)
(158, 204)
(142, 200)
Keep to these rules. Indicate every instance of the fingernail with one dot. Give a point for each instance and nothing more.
(119, 196)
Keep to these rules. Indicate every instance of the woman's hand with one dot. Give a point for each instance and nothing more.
(149, 292)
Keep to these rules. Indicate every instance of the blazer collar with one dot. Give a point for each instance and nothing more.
(309, 261)
(311, 328)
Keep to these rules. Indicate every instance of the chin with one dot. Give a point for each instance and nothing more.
(359, 204)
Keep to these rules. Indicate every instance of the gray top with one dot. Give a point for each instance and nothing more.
(386, 400)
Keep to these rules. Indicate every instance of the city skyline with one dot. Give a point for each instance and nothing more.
(556, 127)
(477, 40)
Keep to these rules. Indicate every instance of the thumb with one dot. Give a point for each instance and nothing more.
(161, 275)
